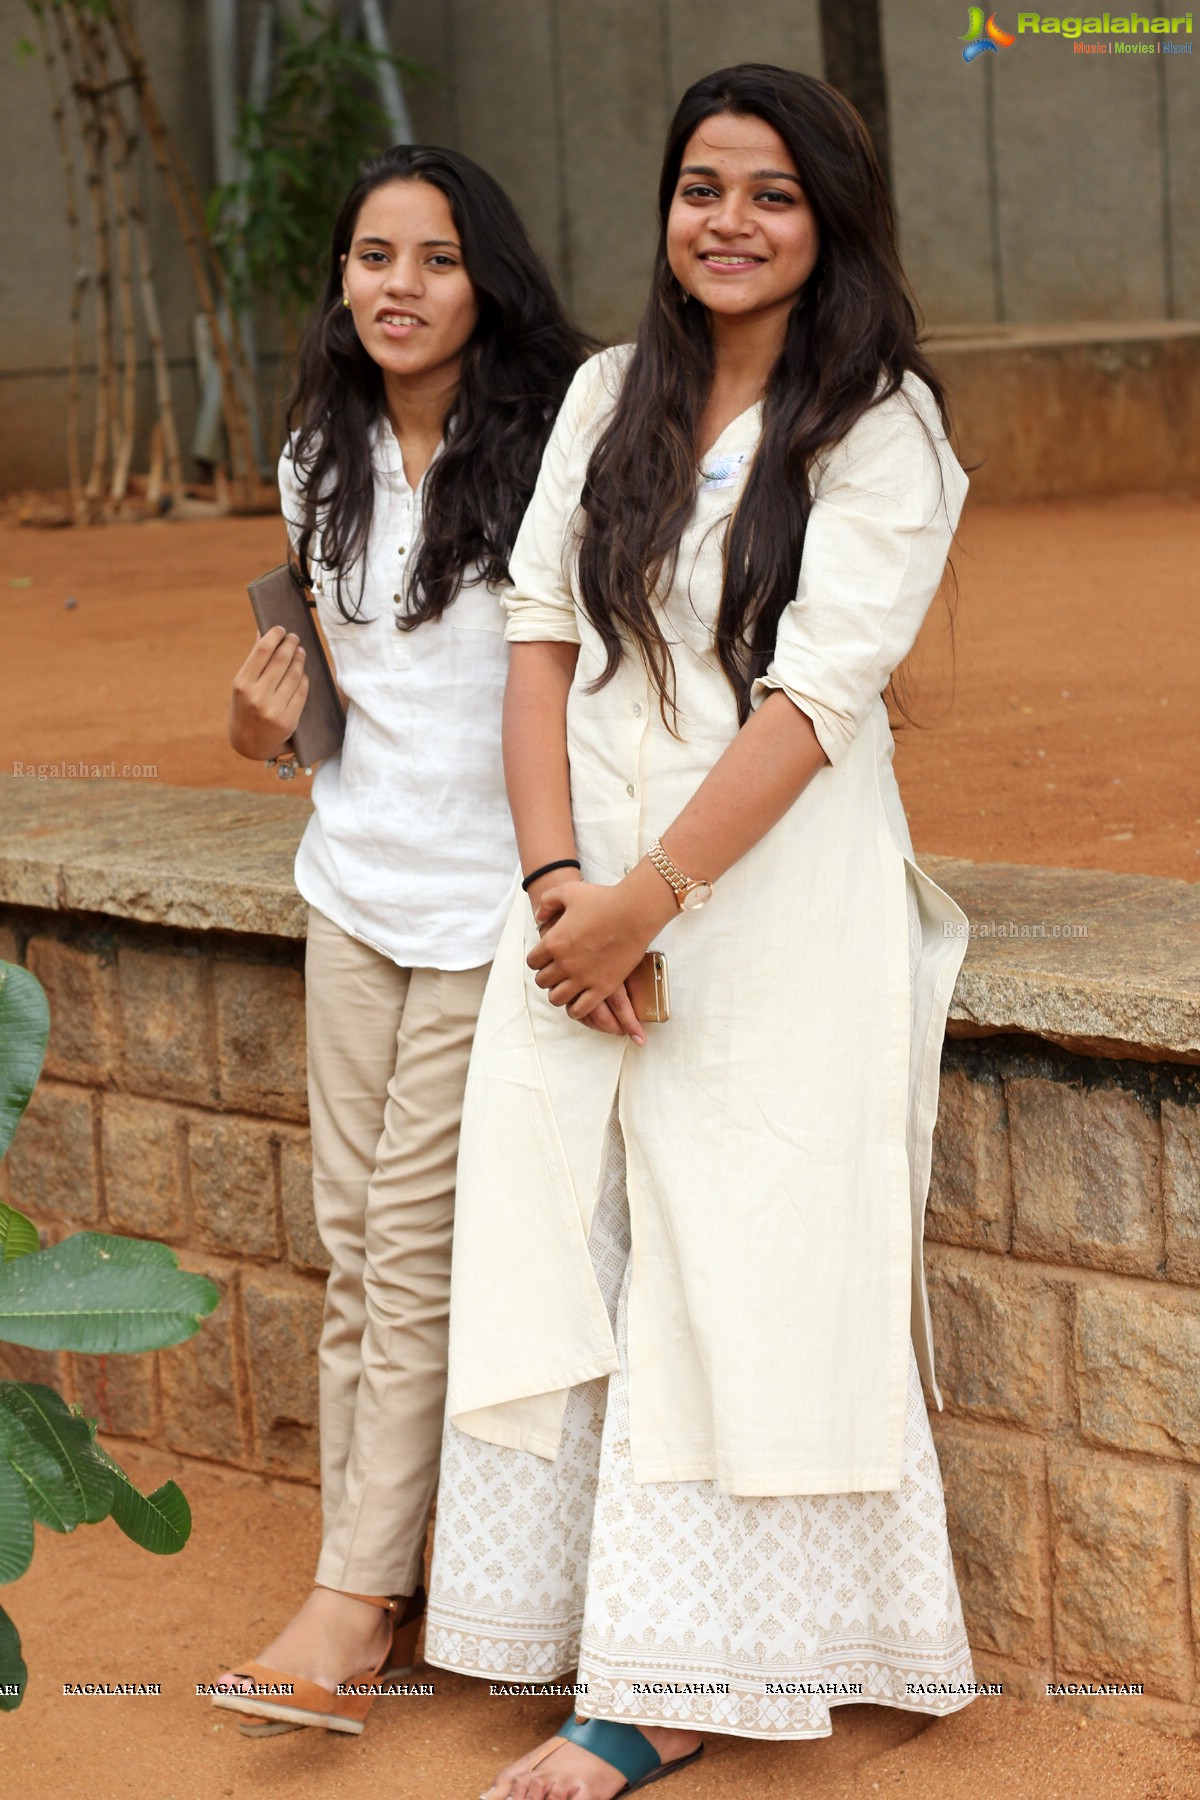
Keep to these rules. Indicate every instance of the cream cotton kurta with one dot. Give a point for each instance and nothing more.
(778, 1129)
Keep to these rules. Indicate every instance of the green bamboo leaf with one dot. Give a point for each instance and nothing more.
(13, 1672)
(16, 1523)
(18, 1235)
(100, 1294)
(50, 1447)
(160, 1522)
(24, 1030)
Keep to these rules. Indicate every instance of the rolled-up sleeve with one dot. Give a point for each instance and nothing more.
(883, 515)
(540, 605)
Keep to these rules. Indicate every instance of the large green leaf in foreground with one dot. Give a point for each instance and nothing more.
(18, 1235)
(160, 1522)
(16, 1523)
(99, 1294)
(13, 1672)
(24, 1029)
(50, 1448)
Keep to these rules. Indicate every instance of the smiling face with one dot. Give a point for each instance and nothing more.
(410, 296)
(742, 238)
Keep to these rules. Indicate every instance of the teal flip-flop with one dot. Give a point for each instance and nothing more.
(625, 1748)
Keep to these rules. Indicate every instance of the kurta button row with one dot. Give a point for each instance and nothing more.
(637, 709)
(630, 789)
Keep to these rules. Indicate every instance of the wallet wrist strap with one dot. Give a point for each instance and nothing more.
(287, 765)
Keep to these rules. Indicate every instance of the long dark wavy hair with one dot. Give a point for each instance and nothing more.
(851, 335)
(516, 368)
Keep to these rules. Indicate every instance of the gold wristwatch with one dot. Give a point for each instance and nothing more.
(690, 893)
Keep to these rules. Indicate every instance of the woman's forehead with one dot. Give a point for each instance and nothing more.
(405, 208)
(734, 136)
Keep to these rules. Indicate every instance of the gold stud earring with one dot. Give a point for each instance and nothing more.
(345, 299)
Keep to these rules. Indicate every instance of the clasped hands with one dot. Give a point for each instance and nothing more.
(592, 937)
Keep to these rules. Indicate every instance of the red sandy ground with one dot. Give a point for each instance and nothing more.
(1069, 738)
(94, 1608)
(1068, 734)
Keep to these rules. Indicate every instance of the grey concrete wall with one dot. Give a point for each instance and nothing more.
(1041, 185)
(1036, 185)
(1033, 186)
(35, 264)
(567, 103)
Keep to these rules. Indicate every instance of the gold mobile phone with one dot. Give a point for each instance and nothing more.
(648, 990)
(647, 987)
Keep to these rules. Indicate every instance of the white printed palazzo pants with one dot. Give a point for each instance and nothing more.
(678, 1604)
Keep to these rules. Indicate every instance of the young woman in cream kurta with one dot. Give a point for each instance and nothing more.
(767, 1150)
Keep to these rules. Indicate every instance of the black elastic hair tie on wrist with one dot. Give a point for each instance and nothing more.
(567, 862)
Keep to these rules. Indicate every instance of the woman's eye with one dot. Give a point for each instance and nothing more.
(698, 190)
(776, 194)
(444, 262)
(373, 256)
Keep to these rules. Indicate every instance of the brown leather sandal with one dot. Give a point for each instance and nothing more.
(280, 1702)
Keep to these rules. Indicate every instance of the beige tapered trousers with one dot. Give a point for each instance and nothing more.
(387, 1063)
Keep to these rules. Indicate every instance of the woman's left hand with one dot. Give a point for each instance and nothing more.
(585, 953)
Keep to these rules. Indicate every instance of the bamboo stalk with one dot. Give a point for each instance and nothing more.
(166, 441)
(158, 358)
(154, 478)
(92, 96)
(119, 144)
(206, 272)
(129, 349)
(75, 251)
(75, 59)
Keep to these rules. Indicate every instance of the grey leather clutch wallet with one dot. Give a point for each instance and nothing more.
(278, 598)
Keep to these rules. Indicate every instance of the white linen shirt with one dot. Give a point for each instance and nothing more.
(410, 847)
(778, 1128)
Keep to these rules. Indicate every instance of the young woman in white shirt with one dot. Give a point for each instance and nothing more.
(739, 525)
(428, 381)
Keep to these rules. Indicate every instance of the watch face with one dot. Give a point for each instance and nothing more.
(697, 894)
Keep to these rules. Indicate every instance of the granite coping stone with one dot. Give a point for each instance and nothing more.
(203, 859)
(1129, 987)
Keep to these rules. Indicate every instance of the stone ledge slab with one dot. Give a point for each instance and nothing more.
(1131, 987)
(205, 859)
(216, 860)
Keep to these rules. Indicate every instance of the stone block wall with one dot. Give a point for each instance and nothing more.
(1062, 1256)
(1063, 1232)
(172, 1105)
